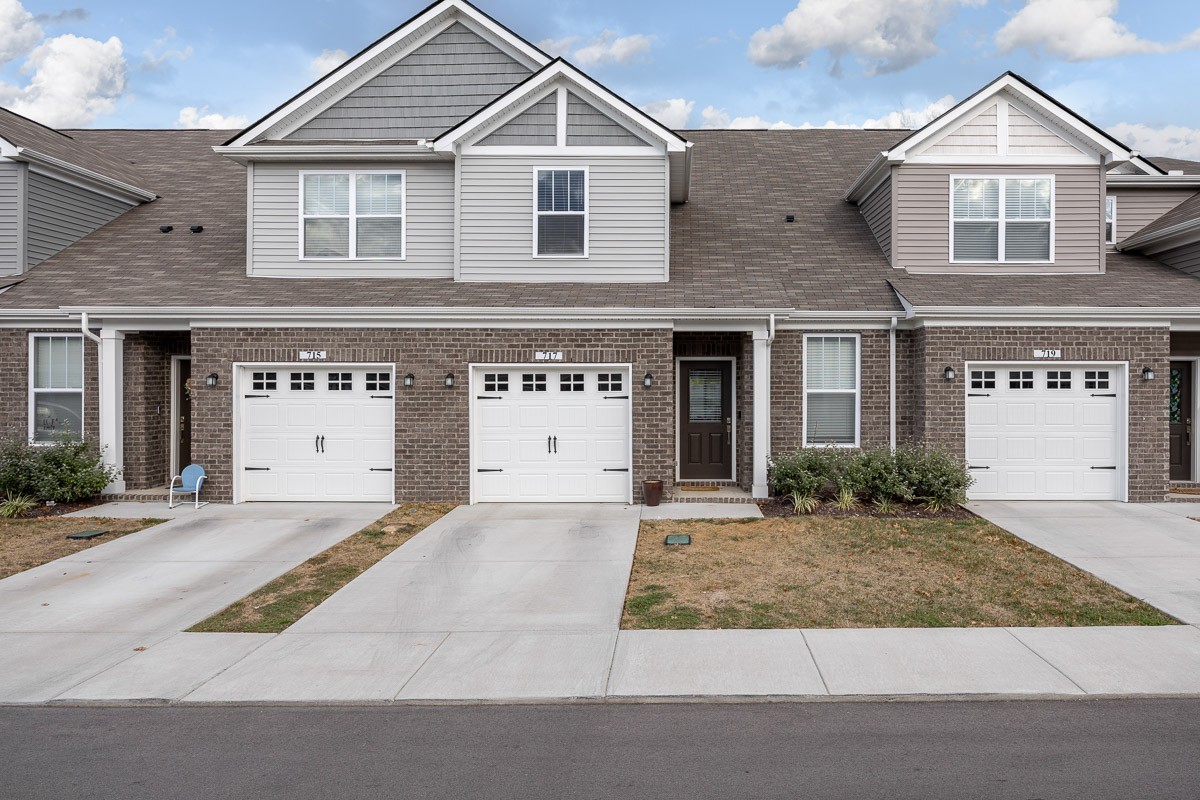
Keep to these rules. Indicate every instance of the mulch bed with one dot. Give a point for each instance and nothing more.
(782, 507)
(58, 509)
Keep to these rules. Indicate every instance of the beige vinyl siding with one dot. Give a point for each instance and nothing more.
(976, 136)
(537, 126)
(1137, 208)
(921, 238)
(627, 207)
(58, 214)
(1186, 259)
(429, 227)
(10, 244)
(1028, 137)
(877, 210)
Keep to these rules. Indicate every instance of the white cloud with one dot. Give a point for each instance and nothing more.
(903, 119)
(1079, 30)
(673, 113)
(884, 35)
(73, 80)
(607, 48)
(198, 118)
(912, 119)
(719, 118)
(19, 31)
(1174, 141)
(327, 62)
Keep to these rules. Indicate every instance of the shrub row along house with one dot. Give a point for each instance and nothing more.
(457, 268)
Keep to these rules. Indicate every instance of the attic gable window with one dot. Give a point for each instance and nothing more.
(561, 216)
(352, 215)
(996, 219)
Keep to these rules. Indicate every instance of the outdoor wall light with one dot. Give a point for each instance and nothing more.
(449, 380)
(950, 373)
(1147, 374)
(648, 381)
(211, 380)
(409, 380)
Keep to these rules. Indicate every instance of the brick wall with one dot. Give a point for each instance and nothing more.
(14, 383)
(432, 430)
(941, 416)
(147, 360)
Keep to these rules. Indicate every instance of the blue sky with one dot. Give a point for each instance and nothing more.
(1129, 66)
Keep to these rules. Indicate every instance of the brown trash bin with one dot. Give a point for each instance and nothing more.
(652, 492)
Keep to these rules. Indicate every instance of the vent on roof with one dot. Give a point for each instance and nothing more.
(166, 228)
(790, 218)
(197, 229)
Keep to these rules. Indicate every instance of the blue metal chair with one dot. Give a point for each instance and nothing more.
(190, 482)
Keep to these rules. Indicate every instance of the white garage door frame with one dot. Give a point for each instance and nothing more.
(240, 368)
(1122, 386)
(473, 369)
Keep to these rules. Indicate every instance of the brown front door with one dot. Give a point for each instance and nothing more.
(183, 415)
(706, 420)
(1181, 420)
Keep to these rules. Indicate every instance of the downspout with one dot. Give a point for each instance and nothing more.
(83, 326)
(892, 384)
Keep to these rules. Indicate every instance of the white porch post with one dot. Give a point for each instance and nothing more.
(762, 411)
(112, 404)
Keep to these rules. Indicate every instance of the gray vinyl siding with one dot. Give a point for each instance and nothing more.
(1137, 208)
(628, 226)
(587, 126)
(537, 126)
(921, 236)
(1185, 259)
(429, 228)
(434, 88)
(10, 240)
(877, 211)
(59, 214)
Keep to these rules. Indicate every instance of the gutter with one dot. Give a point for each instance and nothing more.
(435, 313)
(34, 157)
(869, 177)
(1155, 181)
(319, 152)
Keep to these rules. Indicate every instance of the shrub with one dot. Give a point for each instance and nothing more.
(17, 505)
(65, 471)
(936, 479)
(881, 479)
(806, 473)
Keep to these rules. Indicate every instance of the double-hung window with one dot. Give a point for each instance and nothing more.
(55, 387)
(1110, 220)
(995, 219)
(561, 218)
(353, 215)
(831, 390)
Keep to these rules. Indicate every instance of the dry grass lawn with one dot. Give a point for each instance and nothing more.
(806, 572)
(29, 543)
(290, 596)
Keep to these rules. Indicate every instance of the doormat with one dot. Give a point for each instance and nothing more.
(686, 488)
(1185, 490)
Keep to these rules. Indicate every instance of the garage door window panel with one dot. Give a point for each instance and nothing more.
(304, 381)
(983, 379)
(264, 381)
(1020, 379)
(533, 382)
(378, 382)
(571, 382)
(831, 390)
(1058, 379)
(1096, 379)
(56, 388)
(341, 382)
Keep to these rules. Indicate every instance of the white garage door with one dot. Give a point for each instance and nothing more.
(1045, 432)
(312, 433)
(551, 435)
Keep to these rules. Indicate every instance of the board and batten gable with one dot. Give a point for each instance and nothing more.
(275, 223)
(627, 205)
(921, 234)
(1138, 207)
(10, 218)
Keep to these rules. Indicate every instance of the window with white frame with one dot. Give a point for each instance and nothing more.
(996, 219)
(831, 389)
(562, 214)
(55, 387)
(353, 215)
(1110, 220)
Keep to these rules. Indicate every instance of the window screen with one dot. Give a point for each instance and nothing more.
(561, 212)
(1002, 219)
(831, 390)
(365, 223)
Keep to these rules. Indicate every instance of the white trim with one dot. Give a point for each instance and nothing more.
(1002, 221)
(587, 211)
(733, 384)
(31, 390)
(857, 391)
(579, 151)
(547, 367)
(173, 467)
(1110, 198)
(250, 218)
(239, 367)
(354, 216)
(1125, 376)
(84, 178)
(560, 116)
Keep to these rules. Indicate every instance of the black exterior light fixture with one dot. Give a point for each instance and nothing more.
(449, 380)
(1148, 374)
(212, 380)
(409, 380)
(648, 380)
(949, 373)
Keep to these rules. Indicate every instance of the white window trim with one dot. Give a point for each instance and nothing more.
(587, 211)
(354, 216)
(1002, 222)
(32, 391)
(856, 391)
(1113, 199)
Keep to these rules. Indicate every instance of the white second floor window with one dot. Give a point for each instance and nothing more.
(353, 215)
(561, 218)
(1002, 219)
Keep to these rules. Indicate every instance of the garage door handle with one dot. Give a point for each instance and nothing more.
(974, 467)
(1103, 467)
(614, 469)
(381, 469)
(257, 396)
(555, 444)
(489, 470)
(978, 395)
(616, 397)
(257, 469)
(1104, 395)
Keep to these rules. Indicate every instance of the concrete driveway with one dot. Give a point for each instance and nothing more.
(64, 622)
(1150, 551)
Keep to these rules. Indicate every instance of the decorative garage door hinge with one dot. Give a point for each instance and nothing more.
(256, 396)
(975, 467)
(1104, 395)
(1103, 467)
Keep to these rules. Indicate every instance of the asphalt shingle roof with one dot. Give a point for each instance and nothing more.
(1186, 211)
(23, 132)
(1183, 165)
